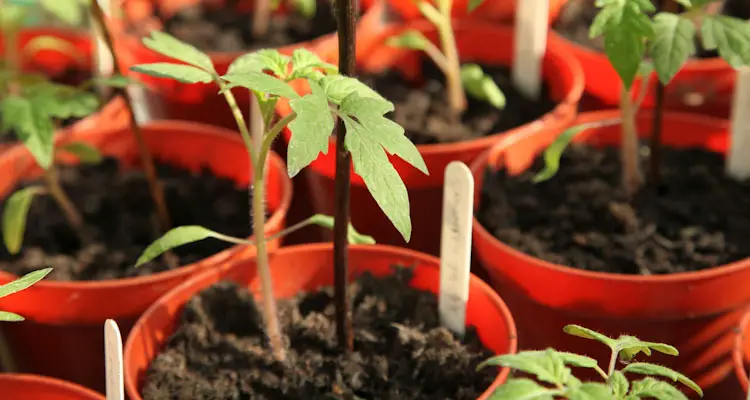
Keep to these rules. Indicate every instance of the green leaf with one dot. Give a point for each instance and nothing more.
(84, 151)
(353, 237)
(730, 36)
(339, 87)
(259, 61)
(306, 8)
(170, 46)
(65, 10)
(658, 370)
(178, 72)
(586, 333)
(546, 365)
(577, 360)
(12, 17)
(410, 39)
(619, 383)
(629, 346)
(553, 152)
(481, 86)
(311, 129)
(473, 4)
(14, 217)
(23, 282)
(654, 388)
(523, 389)
(31, 126)
(686, 3)
(261, 83)
(590, 391)
(10, 317)
(245, 63)
(53, 100)
(305, 64)
(115, 81)
(673, 44)
(179, 236)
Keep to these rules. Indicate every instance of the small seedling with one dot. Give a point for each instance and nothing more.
(267, 73)
(555, 380)
(18, 285)
(263, 9)
(459, 79)
(631, 33)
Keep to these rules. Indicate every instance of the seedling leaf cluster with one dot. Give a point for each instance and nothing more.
(554, 377)
(18, 285)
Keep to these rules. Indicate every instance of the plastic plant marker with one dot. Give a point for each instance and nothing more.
(113, 361)
(103, 59)
(530, 46)
(455, 246)
(738, 162)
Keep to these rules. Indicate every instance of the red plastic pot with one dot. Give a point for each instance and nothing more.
(35, 387)
(561, 72)
(741, 353)
(62, 336)
(702, 85)
(503, 11)
(309, 267)
(696, 311)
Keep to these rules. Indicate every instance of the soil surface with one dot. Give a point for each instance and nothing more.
(118, 210)
(582, 218)
(423, 110)
(400, 350)
(578, 15)
(226, 29)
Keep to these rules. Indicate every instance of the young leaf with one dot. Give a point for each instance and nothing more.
(658, 370)
(23, 282)
(67, 11)
(686, 3)
(178, 72)
(170, 46)
(354, 237)
(654, 388)
(589, 391)
(31, 126)
(249, 62)
(84, 151)
(730, 36)
(586, 333)
(261, 83)
(672, 45)
(179, 236)
(339, 87)
(473, 4)
(311, 129)
(10, 317)
(14, 217)
(115, 81)
(629, 346)
(306, 8)
(410, 39)
(481, 86)
(305, 64)
(540, 363)
(554, 151)
(619, 384)
(523, 389)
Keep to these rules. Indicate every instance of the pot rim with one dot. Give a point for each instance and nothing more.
(62, 385)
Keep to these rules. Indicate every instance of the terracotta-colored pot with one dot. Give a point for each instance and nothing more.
(741, 353)
(503, 11)
(695, 312)
(36, 387)
(561, 72)
(62, 336)
(309, 267)
(702, 85)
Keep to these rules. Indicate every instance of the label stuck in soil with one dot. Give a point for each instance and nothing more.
(113, 358)
(738, 161)
(455, 246)
(530, 44)
(104, 62)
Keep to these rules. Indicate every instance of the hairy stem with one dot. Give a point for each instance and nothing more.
(72, 216)
(238, 118)
(612, 364)
(631, 173)
(261, 17)
(456, 95)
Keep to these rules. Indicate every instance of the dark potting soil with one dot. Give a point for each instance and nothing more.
(699, 219)
(224, 28)
(117, 208)
(578, 15)
(423, 110)
(400, 351)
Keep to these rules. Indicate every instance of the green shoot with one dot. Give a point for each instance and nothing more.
(18, 285)
(459, 80)
(263, 9)
(266, 74)
(632, 33)
(554, 378)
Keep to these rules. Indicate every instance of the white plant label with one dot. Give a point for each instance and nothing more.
(113, 361)
(455, 246)
(738, 161)
(104, 62)
(530, 44)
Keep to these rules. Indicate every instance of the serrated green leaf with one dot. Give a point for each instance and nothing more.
(540, 363)
(6, 316)
(730, 36)
(65, 10)
(259, 61)
(178, 72)
(553, 152)
(654, 388)
(577, 360)
(306, 8)
(410, 39)
(249, 62)
(32, 127)
(619, 383)
(338, 87)
(630, 346)
(481, 86)
(84, 151)
(14, 220)
(586, 333)
(590, 391)
(305, 63)
(473, 4)
(311, 129)
(180, 236)
(23, 282)
(658, 370)
(61, 101)
(170, 46)
(523, 389)
(624, 51)
(261, 83)
(673, 44)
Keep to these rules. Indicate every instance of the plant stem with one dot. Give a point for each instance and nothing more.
(631, 173)
(456, 95)
(655, 140)
(347, 66)
(261, 16)
(63, 201)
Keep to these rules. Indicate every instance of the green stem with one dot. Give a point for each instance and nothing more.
(612, 364)
(238, 118)
(632, 178)
(63, 201)
(271, 135)
(456, 95)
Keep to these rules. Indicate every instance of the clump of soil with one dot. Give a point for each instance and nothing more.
(577, 16)
(400, 351)
(118, 210)
(226, 28)
(699, 219)
(422, 107)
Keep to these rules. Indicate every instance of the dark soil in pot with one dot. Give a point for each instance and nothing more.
(118, 210)
(226, 29)
(401, 352)
(422, 107)
(577, 16)
(582, 218)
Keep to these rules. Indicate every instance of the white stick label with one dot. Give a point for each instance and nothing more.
(738, 161)
(113, 361)
(455, 246)
(530, 44)
(104, 62)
